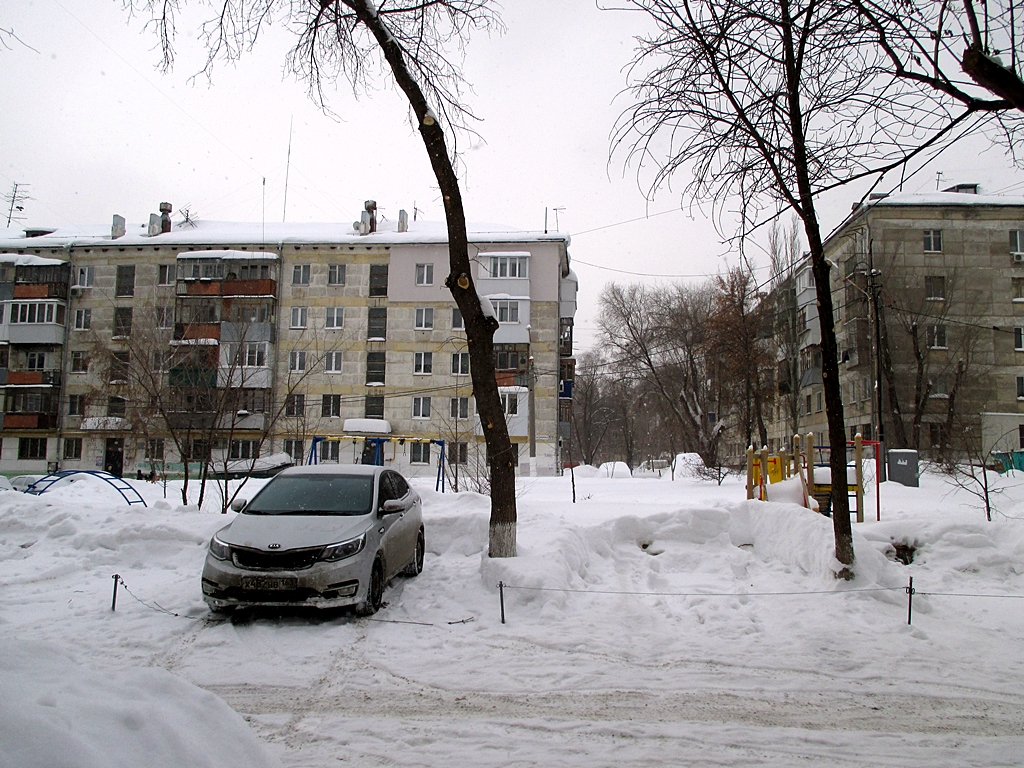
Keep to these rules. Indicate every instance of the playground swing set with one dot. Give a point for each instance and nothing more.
(814, 475)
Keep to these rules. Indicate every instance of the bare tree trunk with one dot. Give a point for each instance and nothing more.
(480, 327)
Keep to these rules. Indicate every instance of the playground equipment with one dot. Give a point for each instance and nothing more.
(801, 463)
(373, 451)
(128, 493)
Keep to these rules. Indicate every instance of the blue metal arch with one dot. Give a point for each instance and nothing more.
(128, 493)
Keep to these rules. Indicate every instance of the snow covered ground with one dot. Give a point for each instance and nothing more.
(743, 649)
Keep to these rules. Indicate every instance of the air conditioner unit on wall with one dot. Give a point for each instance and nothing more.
(1018, 258)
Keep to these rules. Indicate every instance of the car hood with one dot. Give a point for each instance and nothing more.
(292, 531)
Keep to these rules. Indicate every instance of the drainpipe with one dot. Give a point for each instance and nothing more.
(64, 355)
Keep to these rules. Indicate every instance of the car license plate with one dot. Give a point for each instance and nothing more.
(269, 582)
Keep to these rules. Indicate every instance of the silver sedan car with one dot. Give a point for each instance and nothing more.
(323, 536)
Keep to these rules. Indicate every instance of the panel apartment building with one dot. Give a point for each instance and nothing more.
(946, 335)
(327, 342)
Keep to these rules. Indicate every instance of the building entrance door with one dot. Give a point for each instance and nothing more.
(113, 459)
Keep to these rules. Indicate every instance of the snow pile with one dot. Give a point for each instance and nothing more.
(619, 469)
(55, 712)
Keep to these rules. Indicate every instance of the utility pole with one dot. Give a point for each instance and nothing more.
(532, 405)
(875, 288)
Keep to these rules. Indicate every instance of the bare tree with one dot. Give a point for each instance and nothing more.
(590, 407)
(784, 255)
(769, 103)
(353, 40)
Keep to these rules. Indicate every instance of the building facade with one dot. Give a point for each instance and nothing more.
(928, 291)
(228, 342)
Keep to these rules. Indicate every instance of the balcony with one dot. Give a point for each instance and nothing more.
(249, 288)
(45, 334)
(30, 421)
(196, 331)
(33, 378)
(41, 291)
(199, 288)
(193, 376)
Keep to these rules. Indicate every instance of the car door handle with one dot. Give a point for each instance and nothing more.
(381, 529)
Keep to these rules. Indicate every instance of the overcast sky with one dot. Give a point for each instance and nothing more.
(92, 129)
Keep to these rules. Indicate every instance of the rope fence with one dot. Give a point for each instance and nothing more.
(909, 590)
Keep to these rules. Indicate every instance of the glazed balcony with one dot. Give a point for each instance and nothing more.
(263, 287)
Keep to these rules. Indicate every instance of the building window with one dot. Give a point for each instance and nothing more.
(166, 274)
(807, 406)
(460, 363)
(1018, 339)
(122, 322)
(458, 324)
(508, 266)
(939, 387)
(510, 404)
(330, 452)
(937, 336)
(37, 313)
(162, 361)
(459, 408)
(421, 407)
(377, 323)
(83, 277)
(1020, 387)
(424, 318)
(374, 407)
(330, 407)
(935, 288)
(933, 241)
(125, 285)
(295, 405)
(818, 405)
(31, 448)
(423, 363)
(164, 317)
(255, 354)
(378, 279)
(419, 453)
(297, 360)
(332, 362)
(73, 448)
(83, 319)
(294, 448)
(506, 311)
(336, 274)
(76, 405)
(1016, 241)
(155, 449)
(335, 317)
(116, 407)
(79, 362)
(299, 317)
(35, 361)
(513, 357)
(458, 453)
(376, 368)
(424, 274)
(300, 274)
(244, 449)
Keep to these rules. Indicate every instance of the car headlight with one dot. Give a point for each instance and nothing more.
(341, 550)
(219, 549)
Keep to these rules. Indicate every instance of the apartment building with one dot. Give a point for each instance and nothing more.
(928, 291)
(226, 341)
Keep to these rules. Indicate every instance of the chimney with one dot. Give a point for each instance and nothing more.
(165, 217)
(154, 225)
(117, 228)
(403, 221)
(371, 209)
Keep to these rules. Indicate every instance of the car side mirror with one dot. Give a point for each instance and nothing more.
(391, 506)
(239, 504)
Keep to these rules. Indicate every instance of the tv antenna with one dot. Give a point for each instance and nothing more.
(16, 197)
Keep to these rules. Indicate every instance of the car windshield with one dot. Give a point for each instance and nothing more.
(314, 495)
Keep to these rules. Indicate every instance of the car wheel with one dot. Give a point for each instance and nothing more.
(374, 592)
(416, 566)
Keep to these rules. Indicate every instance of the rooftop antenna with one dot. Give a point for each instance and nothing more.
(264, 217)
(287, 170)
(556, 210)
(938, 178)
(16, 197)
(415, 210)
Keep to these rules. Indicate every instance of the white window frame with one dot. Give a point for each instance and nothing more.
(335, 318)
(457, 317)
(932, 240)
(515, 267)
(83, 319)
(424, 318)
(300, 317)
(458, 408)
(300, 274)
(936, 334)
(297, 361)
(425, 274)
(423, 363)
(333, 362)
(421, 407)
(460, 363)
(84, 277)
(419, 453)
(254, 354)
(336, 274)
(166, 274)
(506, 311)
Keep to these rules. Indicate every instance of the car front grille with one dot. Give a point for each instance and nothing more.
(289, 560)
